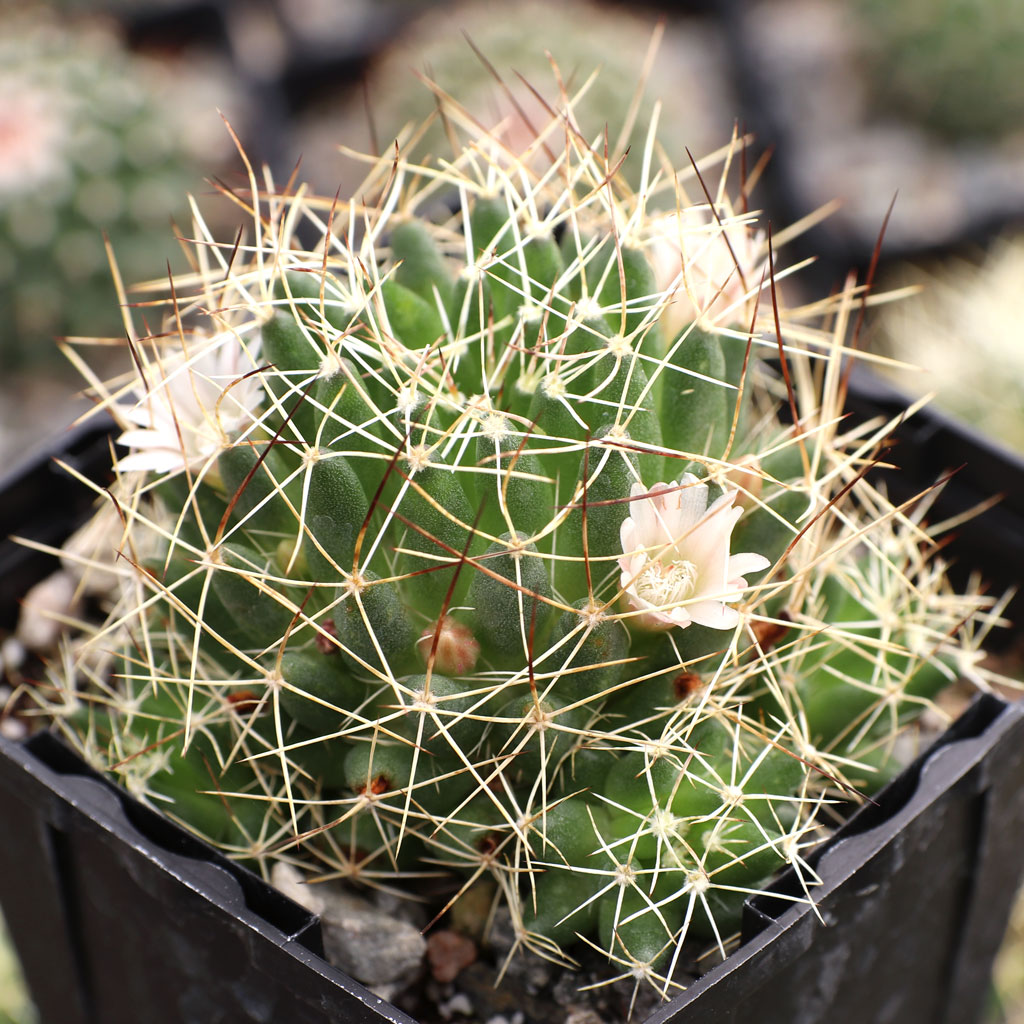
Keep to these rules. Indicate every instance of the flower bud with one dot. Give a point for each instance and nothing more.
(456, 651)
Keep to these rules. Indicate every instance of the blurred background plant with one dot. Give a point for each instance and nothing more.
(682, 64)
(95, 143)
(951, 66)
(865, 99)
(86, 149)
(963, 336)
(15, 1003)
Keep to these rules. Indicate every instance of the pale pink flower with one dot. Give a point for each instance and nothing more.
(676, 567)
(33, 136)
(714, 268)
(192, 402)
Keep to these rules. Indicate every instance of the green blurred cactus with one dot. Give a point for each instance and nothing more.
(618, 68)
(951, 66)
(477, 541)
(89, 145)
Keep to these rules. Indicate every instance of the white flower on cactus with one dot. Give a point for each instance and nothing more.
(714, 269)
(193, 399)
(676, 567)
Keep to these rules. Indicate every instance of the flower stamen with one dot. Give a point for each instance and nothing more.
(667, 584)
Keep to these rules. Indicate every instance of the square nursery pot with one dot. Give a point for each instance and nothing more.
(119, 915)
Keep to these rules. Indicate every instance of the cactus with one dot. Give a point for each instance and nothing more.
(92, 142)
(484, 537)
(637, 66)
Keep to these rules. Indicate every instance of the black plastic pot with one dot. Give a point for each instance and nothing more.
(40, 501)
(118, 915)
(932, 446)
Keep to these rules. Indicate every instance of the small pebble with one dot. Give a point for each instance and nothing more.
(582, 1015)
(402, 908)
(565, 991)
(292, 883)
(459, 1003)
(448, 952)
(13, 728)
(42, 608)
(388, 991)
(372, 946)
(12, 655)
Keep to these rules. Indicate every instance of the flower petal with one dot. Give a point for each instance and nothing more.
(691, 500)
(713, 614)
(631, 566)
(707, 544)
(648, 514)
(155, 460)
(673, 526)
(657, 620)
(193, 396)
(628, 535)
(745, 562)
(148, 439)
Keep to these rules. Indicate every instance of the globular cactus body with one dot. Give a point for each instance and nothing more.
(515, 575)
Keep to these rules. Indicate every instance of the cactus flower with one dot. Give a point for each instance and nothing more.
(714, 268)
(676, 567)
(190, 405)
